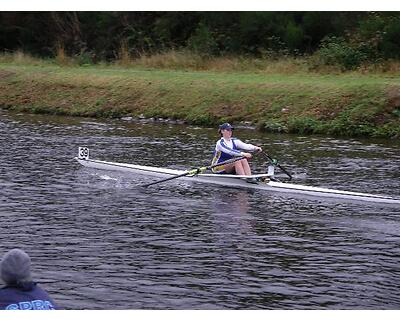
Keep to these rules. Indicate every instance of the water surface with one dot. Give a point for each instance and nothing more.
(97, 241)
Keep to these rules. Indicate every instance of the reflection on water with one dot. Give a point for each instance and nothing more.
(230, 216)
(99, 242)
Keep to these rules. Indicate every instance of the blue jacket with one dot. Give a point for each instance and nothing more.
(29, 297)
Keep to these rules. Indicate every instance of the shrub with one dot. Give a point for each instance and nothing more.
(84, 58)
(336, 51)
(293, 37)
(304, 125)
(202, 41)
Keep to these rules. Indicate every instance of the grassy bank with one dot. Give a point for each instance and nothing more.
(349, 104)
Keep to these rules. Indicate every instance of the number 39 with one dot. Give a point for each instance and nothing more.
(83, 153)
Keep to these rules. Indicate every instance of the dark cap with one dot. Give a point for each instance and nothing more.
(225, 126)
(15, 267)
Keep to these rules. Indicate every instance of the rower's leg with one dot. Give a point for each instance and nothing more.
(246, 167)
(229, 168)
(240, 168)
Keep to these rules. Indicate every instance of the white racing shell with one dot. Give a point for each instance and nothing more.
(237, 181)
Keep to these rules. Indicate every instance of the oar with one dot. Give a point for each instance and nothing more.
(273, 162)
(195, 171)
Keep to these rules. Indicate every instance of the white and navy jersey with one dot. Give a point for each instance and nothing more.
(225, 150)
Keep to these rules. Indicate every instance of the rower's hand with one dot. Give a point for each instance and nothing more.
(259, 149)
(246, 154)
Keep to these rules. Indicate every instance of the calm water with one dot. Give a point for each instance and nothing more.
(97, 241)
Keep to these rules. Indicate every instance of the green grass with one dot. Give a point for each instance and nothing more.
(351, 104)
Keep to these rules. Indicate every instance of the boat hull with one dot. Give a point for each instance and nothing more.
(241, 182)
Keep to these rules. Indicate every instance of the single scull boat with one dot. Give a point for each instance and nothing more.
(264, 181)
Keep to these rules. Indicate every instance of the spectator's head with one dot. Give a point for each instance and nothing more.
(16, 267)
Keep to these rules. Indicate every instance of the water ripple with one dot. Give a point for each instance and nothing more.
(99, 242)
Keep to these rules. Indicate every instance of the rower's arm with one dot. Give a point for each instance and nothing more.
(246, 146)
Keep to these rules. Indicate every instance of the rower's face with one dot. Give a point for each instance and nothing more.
(227, 133)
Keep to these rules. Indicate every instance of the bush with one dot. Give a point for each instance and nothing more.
(381, 33)
(390, 45)
(84, 58)
(336, 51)
(293, 37)
(202, 41)
(304, 125)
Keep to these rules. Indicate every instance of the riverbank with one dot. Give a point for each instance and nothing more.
(350, 104)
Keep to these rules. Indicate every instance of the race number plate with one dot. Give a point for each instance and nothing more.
(83, 153)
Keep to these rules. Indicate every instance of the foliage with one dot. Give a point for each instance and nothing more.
(381, 32)
(336, 51)
(102, 32)
(347, 40)
(202, 41)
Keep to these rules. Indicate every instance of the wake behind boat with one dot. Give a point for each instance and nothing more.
(258, 181)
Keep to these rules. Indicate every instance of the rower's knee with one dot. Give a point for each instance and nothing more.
(239, 163)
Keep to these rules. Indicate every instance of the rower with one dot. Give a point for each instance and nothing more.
(228, 147)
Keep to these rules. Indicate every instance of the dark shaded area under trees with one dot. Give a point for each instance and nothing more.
(345, 38)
